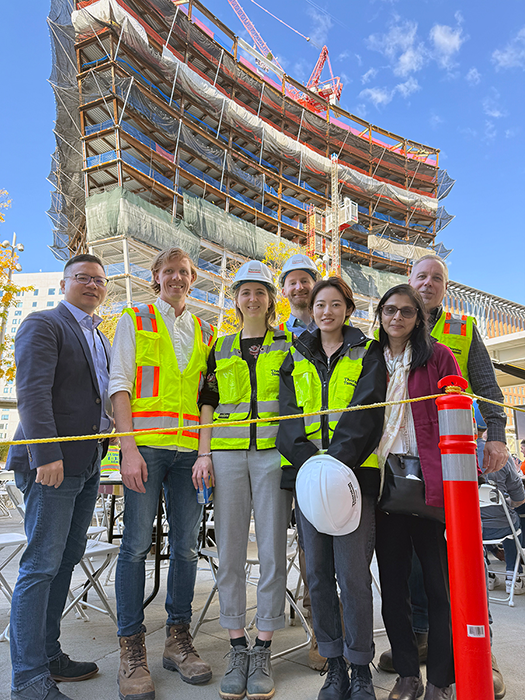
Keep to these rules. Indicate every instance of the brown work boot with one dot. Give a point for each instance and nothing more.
(315, 660)
(180, 655)
(497, 678)
(134, 680)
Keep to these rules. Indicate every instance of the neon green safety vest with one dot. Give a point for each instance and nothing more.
(235, 391)
(311, 396)
(164, 397)
(456, 333)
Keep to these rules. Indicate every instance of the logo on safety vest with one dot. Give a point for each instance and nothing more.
(224, 416)
(349, 382)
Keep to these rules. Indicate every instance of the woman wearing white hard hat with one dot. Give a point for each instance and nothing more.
(243, 382)
(331, 368)
(415, 363)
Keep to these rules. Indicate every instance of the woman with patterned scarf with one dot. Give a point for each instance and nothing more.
(409, 446)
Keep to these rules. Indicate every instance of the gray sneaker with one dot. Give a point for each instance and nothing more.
(43, 689)
(260, 681)
(233, 683)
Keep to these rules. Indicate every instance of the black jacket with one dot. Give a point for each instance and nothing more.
(357, 434)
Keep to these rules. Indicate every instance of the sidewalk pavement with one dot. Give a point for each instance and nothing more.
(96, 640)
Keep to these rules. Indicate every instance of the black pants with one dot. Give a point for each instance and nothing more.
(396, 535)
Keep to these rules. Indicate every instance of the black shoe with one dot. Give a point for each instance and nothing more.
(385, 660)
(337, 683)
(69, 671)
(43, 689)
(361, 686)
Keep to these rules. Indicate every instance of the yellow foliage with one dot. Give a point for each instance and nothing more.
(4, 203)
(8, 291)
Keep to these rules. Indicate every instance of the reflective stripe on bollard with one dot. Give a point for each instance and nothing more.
(468, 590)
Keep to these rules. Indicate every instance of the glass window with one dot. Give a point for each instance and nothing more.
(13, 330)
(50, 303)
(14, 320)
(5, 416)
(51, 292)
(19, 294)
(18, 313)
(2, 426)
(60, 291)
(6, 390)
(18, 304)
(34, 304)
(35, 292)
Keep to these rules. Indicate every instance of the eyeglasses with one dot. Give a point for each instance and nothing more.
(406, 311)
(86, 279)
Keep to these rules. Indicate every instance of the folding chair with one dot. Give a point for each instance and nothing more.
(18, 541)
(103, 555)
(252, 559)
(489, 495)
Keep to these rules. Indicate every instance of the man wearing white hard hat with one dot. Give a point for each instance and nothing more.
(297, 279)
(243, 382)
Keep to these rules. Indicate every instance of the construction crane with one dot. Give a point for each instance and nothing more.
(329, 90)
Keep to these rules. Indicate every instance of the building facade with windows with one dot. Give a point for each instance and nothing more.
(45, 294)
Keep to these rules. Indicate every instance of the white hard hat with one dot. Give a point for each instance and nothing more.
(253, 271)
(328, 495)
(299, 261)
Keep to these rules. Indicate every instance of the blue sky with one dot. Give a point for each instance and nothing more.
(447, 74)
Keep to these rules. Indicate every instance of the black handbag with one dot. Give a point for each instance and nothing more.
(404, 489)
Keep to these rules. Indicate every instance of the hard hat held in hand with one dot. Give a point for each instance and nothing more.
(328, 495)
(253, 271)
(299, 261)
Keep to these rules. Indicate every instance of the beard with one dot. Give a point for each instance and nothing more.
(299, 303)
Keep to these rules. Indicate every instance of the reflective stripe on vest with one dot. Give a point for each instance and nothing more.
(235, 390)
(341, 387)
(456, 333)
(163, 397)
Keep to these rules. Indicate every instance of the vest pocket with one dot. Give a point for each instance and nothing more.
(307, 386)
(148, 349)
(233, 379)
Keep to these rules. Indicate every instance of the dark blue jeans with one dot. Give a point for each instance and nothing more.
(56, 522)
(348, 557)
(171, 470)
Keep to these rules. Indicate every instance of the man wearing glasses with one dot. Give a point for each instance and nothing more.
(62, 378)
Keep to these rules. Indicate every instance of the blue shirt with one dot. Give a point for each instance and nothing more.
(89, 325)
(297, 326)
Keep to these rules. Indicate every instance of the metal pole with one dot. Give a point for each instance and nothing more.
(127, 271)
(336, 253)
(468, 588)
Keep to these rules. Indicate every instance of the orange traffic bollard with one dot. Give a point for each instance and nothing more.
(468, 589)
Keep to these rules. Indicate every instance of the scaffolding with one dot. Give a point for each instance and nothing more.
(167, 134)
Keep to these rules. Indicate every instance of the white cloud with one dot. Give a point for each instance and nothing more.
(359, 59)
(360, 110)
(510, 133)
(368, 76)
(492, 106)
(378, 96)
(344, 55)
(446, 42)
(473, 76)
(401, 46)
(408, 87)
(513, 55)
(435, 120)
(322, 23)
(490, 132)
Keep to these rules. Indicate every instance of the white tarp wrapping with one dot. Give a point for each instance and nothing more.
(404, 250)
(273, 140)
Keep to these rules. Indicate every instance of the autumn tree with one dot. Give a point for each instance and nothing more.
(8, 293)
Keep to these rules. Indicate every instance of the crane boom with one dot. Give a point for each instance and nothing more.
(252, 31)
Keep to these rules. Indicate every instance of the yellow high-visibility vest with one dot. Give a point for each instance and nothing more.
(235, 391)
(456, 333)
(163, 396)
(341, 387)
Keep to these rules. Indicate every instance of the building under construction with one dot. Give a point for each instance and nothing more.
(173, 130)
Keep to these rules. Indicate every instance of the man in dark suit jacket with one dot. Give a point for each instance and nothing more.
(62, 377)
